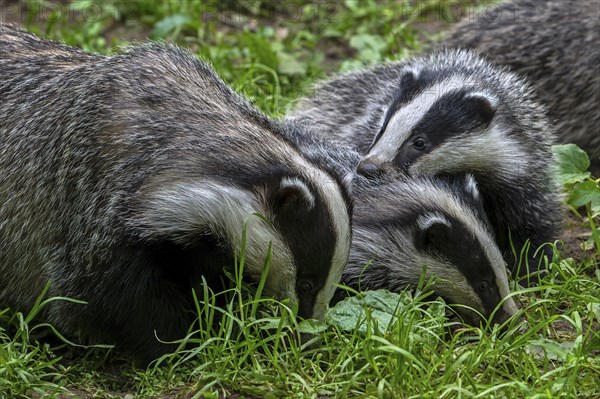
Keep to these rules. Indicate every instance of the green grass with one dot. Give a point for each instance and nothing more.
(269, 51)
(378, 345)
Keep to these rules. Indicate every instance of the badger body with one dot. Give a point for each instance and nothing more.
(406, 226)
(447, 114)
(127, 180)
(555, 44)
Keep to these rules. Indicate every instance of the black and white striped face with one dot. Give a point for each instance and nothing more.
(305, 219)
(438, 228)
(440, 122)
(467, 262)
(312, 218)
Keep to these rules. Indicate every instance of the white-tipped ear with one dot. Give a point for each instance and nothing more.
(471, 186)
(185, 211)
(411, 72)
(485, 104)
(293, 193)
(425, 221)
(433, 231)
(491, 99)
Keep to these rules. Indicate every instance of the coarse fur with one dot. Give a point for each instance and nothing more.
(404, 225)
(128, 179)
(555, 44)
(450, 113)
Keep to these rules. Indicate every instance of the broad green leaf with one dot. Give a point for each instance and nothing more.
(312, 326)
(166, 25)
(290, 65)
(381, 305)
(557, 351)
(587, 192)
(572, 163)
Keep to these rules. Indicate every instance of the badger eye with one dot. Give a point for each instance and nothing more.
(419, 143)
(305, 287)
(483, 286)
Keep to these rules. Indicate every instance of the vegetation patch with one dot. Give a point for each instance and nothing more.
(375, 344)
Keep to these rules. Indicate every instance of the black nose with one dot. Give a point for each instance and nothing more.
(368, 169)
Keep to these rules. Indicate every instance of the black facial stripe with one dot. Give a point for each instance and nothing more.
(311, 238)
(453, 114)
(464, 251)
(388, 115)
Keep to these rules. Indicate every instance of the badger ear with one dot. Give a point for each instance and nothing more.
(482, 105)
(471, 186)
(408, 79)
(433, 231)
(292, 195)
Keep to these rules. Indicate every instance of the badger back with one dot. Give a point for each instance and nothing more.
(405, 228)
(554, 44)
(348, 109)
(151, 149)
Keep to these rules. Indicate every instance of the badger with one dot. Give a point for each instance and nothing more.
(403, 226)
(445, 114)
(406, 226)
(555, 44)
(128, 180)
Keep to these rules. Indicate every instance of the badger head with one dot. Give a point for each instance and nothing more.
(305, 220)
(405, 228)
(446, 119)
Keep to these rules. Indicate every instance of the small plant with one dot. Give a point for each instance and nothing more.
(581, 188)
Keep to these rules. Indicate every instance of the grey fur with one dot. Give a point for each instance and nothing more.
(127, 178)
(389, 216)
(385, 253)
(510, 158)
(555, 44)
(349, 109)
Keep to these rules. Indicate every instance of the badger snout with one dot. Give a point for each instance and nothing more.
(509, 309)
(368, 169)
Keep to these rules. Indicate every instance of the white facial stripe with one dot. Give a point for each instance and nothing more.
(406, 118)
(455, 208)
(488, 245)
(295, 182)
